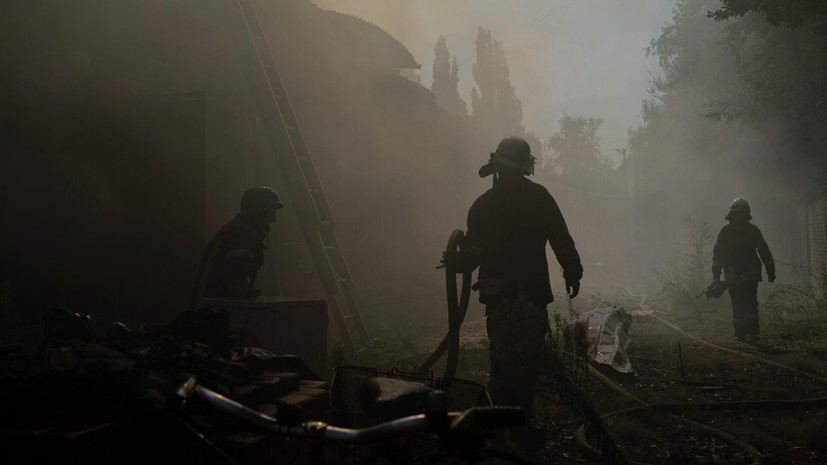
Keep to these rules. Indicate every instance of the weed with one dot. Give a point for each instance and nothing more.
(564, 377)
(597, 301)
(798, 311)
(688, 271)
(337, 357)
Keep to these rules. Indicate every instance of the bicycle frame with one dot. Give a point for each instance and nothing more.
(318, 429)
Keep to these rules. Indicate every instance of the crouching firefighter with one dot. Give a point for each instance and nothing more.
(233, 257)
(508, 227)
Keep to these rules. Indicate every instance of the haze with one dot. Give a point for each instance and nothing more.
(586, 57)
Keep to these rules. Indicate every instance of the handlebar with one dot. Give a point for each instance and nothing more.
(476, 420)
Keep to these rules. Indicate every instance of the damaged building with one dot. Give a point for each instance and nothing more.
(132, 128)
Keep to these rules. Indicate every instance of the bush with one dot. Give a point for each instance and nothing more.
(689, 271)
(798, 311)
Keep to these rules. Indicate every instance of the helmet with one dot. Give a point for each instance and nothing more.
(258, 199)
(512, 152)
(739, 206)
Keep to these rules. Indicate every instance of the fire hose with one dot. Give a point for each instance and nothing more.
(758, 404)
(457, 307)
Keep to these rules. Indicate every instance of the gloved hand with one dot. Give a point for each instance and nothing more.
(771, 277)
(572, 288)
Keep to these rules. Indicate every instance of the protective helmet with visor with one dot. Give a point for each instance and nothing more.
(512, 153)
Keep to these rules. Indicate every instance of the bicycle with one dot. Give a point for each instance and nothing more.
(462, 432)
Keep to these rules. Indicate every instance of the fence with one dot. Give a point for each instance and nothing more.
(814, 233)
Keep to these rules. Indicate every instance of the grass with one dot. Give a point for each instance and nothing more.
(799, 310)
(654, 437)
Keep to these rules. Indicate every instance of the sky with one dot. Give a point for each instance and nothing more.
(583, 57)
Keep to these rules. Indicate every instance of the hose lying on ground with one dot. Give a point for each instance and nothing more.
(580, 434)
(698, 426)
(723, 405)
(813, 376)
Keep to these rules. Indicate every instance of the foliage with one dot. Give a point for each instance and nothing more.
(693, 67)
(564, 376)
(575, 148)
(757, 63)
(779, 71)
(723, 106)
(596, 300)
(445, 84)
(776, 12)
(798, 311)
(494, 100)
(688, 272)
(567, 337)
(687, 52)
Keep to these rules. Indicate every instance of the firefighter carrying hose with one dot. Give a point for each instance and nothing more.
(508, 228)
(735, 254)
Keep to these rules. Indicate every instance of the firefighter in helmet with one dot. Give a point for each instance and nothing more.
(233, 257)
(735, 254)
(508, 228)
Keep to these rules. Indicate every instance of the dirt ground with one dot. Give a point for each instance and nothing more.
(674, 368)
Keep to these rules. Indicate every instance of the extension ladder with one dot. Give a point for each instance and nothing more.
(304, 187)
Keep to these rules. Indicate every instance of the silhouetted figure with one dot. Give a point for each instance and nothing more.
(735, 254)
(233, 257)
(508, 228)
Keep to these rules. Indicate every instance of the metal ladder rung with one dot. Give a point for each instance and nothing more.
(275, 110)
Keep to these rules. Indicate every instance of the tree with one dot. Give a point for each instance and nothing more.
(776, 12)
(727, 118)
(780, 54)
(756, 63)
(494, 101)
(575, 148)
(445, 84)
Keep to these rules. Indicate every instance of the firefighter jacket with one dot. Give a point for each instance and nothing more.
(735, 253)
(231, 261)
(508, 227)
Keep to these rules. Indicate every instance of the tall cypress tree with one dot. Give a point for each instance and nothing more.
(494, 100)
(445, 85)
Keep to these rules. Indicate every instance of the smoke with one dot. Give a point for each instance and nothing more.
(399, 173)
(586, 58)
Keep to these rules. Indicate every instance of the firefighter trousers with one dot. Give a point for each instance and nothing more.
(744, 296)
(516, 331)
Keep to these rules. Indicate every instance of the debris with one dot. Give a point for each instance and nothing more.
(608, 337)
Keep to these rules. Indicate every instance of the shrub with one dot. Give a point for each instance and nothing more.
(798, 311)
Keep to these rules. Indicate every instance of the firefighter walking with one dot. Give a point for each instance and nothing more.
(508, 228)
(740, 251)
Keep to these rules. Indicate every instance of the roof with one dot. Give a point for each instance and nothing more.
(371, 39)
